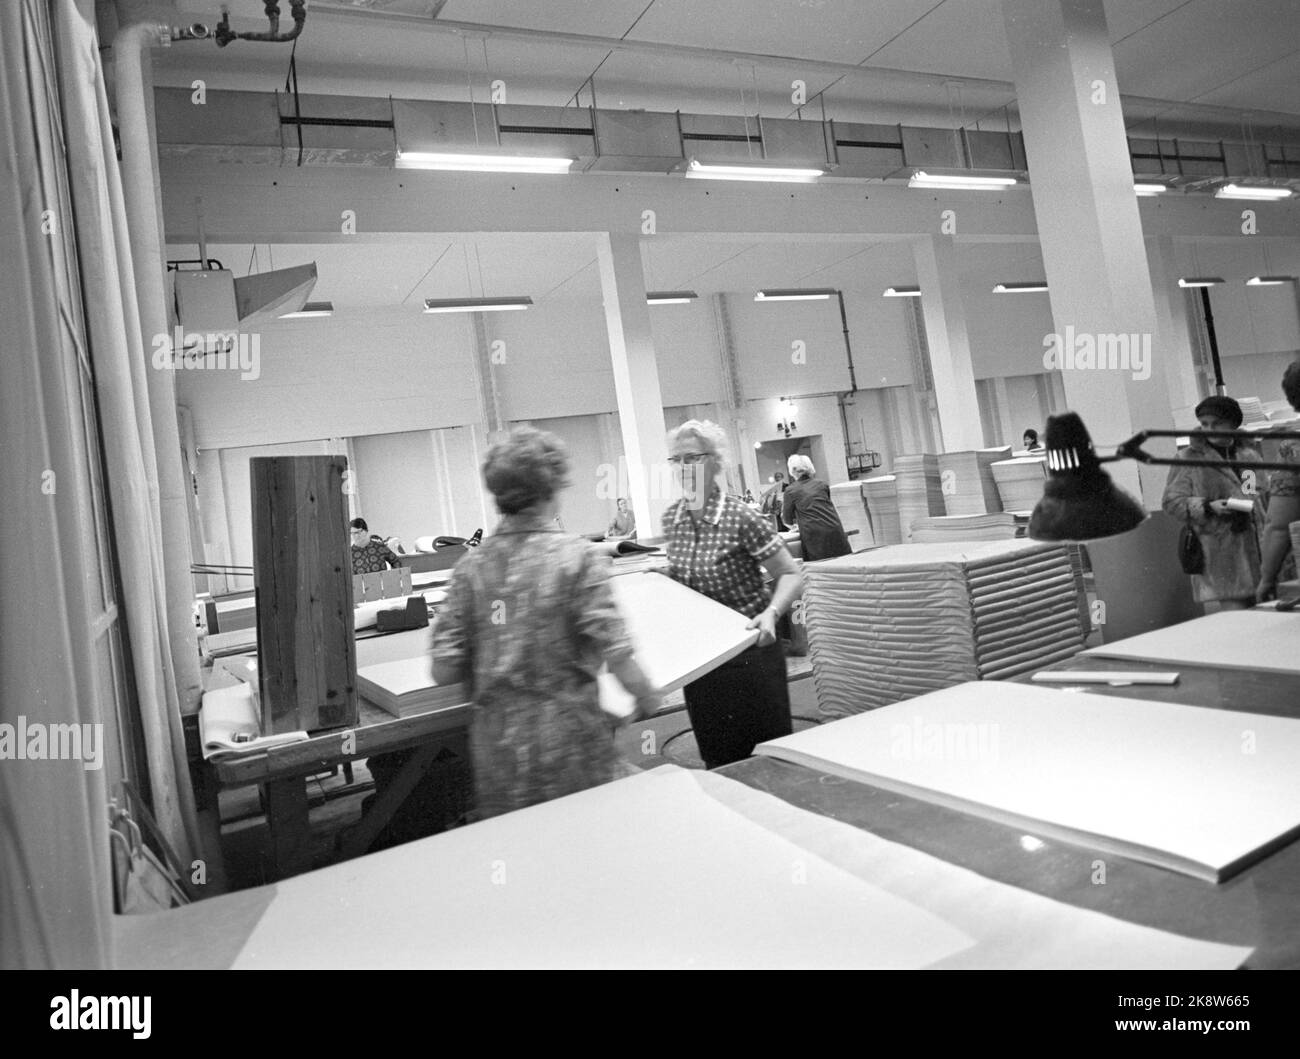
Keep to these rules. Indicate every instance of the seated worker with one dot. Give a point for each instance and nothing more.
(370, 554)
(1031, 441)
(623, 528)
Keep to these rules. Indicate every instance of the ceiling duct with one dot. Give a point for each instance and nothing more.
(266, 296)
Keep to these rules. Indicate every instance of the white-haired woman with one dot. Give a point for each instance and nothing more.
(808, 505)
(719, 546)
(529, 620)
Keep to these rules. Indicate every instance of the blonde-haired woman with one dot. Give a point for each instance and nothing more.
(719, 546)
(807, 505)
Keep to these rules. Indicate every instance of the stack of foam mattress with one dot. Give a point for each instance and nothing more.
(896, 622)
(881, 497)
(1020, 482)
(969, 487)
(920, 490)
(852, 509)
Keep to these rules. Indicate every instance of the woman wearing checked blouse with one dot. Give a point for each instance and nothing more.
(715, 545)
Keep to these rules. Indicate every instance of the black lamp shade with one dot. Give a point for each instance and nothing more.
(1080, 501)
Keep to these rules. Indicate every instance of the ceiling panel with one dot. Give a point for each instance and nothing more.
(599, 18)
(963, 38)
(837, 30)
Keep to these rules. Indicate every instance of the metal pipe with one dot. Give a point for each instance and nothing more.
(1219, 387)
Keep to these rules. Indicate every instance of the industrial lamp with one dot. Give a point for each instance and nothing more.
(1080, 501)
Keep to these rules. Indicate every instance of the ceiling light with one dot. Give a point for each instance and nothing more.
(311, 309)
(796, 295)
(475, 305)
(1019, 288)
(959, 181)
(783, 174)
(902, 292)
(670, 297)
(481, 163)
(1269, 281)
(1238, 191)
(1200, 281)
(1145, 190)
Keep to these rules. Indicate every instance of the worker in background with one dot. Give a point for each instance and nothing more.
(808, 507)
(623, 528)
(771, 501)
(1031, 442)
(370, 554)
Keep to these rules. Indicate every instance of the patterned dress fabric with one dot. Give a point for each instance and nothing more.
(530, 618)
(373, 557)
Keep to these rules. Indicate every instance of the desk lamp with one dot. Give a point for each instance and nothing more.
(1080, 501)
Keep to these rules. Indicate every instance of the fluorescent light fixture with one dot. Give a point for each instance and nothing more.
(670, 297)
(902, 292)
(1145, 190)
(1019, 288)
(782, 174)
(1258, 194)
(311, 309)
(475, 305)
(1269, 281)
(959, 181)
(816, 294)
(1200, 281)
(481, 163)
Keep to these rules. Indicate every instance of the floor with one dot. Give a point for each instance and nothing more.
(336, 803)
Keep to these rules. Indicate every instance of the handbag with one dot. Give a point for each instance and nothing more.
(1191, 554)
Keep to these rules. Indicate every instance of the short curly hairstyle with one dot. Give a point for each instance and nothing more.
(525, 468)
(801, 466)
(1291, 383)
(711, 438)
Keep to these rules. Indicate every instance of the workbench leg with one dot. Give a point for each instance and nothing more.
(357, 839)
(290, 831)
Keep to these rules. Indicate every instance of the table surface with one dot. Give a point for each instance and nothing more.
(1258, 907)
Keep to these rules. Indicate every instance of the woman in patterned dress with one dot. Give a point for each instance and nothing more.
(529, 621)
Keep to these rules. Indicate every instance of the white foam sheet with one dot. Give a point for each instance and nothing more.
(1196, 790)
(683, 869)
(679, 634)
(1238, 639)
(647, 871)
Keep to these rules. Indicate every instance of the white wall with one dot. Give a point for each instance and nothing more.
(355, 373)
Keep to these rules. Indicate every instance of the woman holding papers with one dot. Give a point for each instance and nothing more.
(1214, 501)
(719, 546)
(807, 506)
(528, 623)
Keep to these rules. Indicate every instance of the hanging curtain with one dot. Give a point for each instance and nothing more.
(121, 363)
(55, 889)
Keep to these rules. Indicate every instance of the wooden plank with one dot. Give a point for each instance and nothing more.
(303, 581)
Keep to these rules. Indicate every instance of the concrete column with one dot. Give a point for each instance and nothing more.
(1091, 235)
(945, 332)
(636, 377)
(1172, 347)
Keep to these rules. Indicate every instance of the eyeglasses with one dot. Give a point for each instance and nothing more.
(689, 458)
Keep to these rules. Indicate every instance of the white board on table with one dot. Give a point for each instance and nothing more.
(1234, 639)
(1192, 789)
(648, 871)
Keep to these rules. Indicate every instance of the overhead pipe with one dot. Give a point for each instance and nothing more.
(298, 12)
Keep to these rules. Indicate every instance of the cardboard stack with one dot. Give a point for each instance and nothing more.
(852, 509)
(1020, 482)
(920, 490)
(998, 526)
(881, 497)
(405, 686)
(967, 481)
(889, 624)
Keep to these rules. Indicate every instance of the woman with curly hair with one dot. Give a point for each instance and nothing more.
(529, 621)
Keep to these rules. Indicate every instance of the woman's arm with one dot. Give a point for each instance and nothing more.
(788, 588)
(1178, 499)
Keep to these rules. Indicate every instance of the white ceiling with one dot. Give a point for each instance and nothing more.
(1173, 53)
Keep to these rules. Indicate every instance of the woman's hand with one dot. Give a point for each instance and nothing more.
(765, 623)
(1267, 590)
(1218, 507)
(647, 706)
